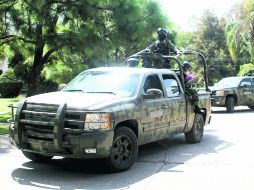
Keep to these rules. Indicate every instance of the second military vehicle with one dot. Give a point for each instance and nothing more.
(233, 91)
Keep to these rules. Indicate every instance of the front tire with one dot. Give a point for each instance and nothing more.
(195, 135)
(36, 157)
(124, 150)
(230, 104)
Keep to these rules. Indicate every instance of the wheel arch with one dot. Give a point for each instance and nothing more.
(204, 115)
(132, 124)
(234, 96)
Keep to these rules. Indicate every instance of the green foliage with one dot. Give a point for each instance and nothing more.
(210, 40)
(45, 85)
(8, 76)
(22, 71)
(230, 30)
(93, 33)
(10, 89)
(4, 130)
(61, 73)
(9, 85)
(246, 69)
(240, 33)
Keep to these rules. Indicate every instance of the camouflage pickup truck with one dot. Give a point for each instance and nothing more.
(108, 113)
(233, 91)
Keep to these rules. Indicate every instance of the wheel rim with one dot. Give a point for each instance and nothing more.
(122, 149)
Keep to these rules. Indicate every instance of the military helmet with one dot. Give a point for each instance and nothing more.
(186, 65)
(162, 34)
(132, 62)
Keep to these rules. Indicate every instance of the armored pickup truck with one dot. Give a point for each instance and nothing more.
(233, 91)
(108, 113)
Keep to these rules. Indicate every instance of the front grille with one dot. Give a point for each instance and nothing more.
(38, 121)
(48, 122)
(74, 120)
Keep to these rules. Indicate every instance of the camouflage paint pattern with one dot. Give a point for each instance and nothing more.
(58, 129)
(243, 96)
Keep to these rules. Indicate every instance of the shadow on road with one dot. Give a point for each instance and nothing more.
(161, 156)
(239, 111)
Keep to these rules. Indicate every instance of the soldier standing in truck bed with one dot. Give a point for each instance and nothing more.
(163, 45)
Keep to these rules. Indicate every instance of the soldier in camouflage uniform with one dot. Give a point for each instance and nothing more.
(188, 80)
(163, 46)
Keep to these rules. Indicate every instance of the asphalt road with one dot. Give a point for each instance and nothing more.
(223, 160)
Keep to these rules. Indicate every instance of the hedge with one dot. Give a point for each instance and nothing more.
(10, 89)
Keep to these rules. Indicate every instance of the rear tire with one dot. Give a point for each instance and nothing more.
(36, 157)
(195, 135)
(124, 150)
(230, 104)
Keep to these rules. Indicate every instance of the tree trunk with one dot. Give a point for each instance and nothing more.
(36, 68)
(116, 56)
(32, 88)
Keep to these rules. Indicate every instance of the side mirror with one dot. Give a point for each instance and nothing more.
(153, 93)
(61, 86)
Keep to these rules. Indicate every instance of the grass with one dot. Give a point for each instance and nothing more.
(4, 117)
(4, 130)
(5, 111)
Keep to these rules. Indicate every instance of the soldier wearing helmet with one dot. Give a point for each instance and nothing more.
(163, 45)
(188, 80)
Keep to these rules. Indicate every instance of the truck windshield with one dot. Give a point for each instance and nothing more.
(120, 84)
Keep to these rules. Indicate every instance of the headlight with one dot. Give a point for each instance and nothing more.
(220, 93)
(97, 121)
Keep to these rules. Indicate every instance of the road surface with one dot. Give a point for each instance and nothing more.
(223, 160)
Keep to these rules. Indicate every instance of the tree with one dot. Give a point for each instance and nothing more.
(246, 69)
(247, 25)
(43, 28)
(240, 32)
(209, 39)
(63, 31)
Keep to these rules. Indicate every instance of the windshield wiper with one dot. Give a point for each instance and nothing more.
(103, 92)
(74, 90)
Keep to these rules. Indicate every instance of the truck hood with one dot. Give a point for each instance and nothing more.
(215, 88)
(79, 100)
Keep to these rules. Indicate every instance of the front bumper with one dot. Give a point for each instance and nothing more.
(72, 146)
(218, 101)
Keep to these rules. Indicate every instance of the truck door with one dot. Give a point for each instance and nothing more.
(177, 102)
(246, 91)
(154, 112)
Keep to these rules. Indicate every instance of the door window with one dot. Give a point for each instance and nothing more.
(152, 81)
(171, 85)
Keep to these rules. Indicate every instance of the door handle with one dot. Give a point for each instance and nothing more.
(164, 106)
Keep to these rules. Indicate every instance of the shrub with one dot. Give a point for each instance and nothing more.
(9, 85)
